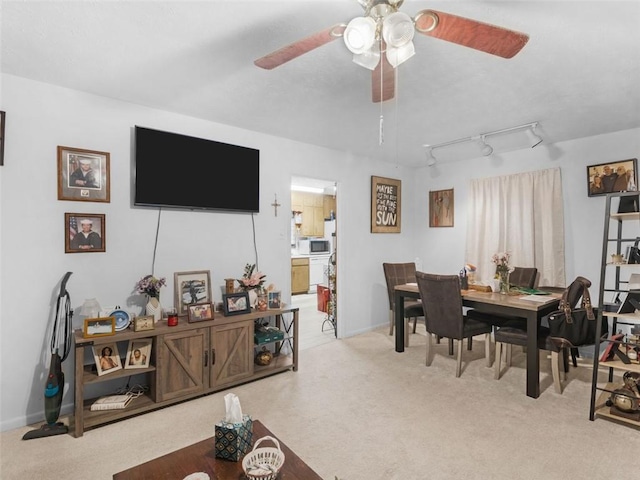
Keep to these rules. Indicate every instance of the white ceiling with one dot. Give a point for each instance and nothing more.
(579, 74)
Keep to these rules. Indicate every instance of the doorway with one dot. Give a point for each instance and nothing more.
(313, 258)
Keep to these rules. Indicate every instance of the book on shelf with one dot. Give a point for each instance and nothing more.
(112, 402)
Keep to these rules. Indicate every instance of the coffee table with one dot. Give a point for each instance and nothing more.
(201, 457)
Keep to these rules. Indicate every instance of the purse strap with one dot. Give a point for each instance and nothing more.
(566, 306)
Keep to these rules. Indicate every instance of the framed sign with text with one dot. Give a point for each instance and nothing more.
(385, 205)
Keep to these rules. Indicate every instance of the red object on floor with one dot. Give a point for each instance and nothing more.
(323, 298)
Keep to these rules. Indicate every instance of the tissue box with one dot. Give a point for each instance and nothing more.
(233, 440)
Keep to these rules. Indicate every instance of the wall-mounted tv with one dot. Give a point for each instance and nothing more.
(179, 171)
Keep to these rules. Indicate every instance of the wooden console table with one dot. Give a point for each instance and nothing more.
(201, 457)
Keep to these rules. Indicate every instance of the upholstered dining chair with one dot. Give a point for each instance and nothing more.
(514, 332)
(399, 274)
(444, 317)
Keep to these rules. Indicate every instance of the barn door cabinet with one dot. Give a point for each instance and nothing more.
(187, 361)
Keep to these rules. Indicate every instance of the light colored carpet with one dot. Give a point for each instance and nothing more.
(356, 409)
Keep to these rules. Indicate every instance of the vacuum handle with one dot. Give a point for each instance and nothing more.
(63, 285)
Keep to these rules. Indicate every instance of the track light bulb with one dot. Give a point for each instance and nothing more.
(534, 138)
(486, 148)
(431, 160)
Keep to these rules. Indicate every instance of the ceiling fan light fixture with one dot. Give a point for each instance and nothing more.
(398, 29)
(360, 34)
(368, 59)
(396, 56)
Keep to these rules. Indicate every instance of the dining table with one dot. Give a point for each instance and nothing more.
(530, 307)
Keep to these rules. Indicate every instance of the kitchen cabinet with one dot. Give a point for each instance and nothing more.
(299, 275)
(187, 361)
(312, 207)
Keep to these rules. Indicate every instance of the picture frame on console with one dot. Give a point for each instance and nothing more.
(191, 288)
(275, 299)
(99, 327)
(138, 353)
(107, 358)
(236, 303)
(83, 175)
(200, 312)
(84, 233)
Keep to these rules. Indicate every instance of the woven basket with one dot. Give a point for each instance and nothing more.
(263, 463)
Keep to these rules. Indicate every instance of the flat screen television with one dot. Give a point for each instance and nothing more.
(179, 171)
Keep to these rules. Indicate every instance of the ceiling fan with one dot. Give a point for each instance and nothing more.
(382, 39)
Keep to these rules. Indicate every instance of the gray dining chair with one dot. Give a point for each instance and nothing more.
(399, 274)
(444, 317)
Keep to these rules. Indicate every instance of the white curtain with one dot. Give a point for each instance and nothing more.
(521, 214)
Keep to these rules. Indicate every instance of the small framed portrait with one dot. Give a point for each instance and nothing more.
(99, 327)
(138, 353)
(200, 312)
(107, 358)
(84, 232)
(83, 175)
(191, 288)
(143, 323)
(441, 208)
(617, 176)
(275, 299)
(236, 303)
(385, 205)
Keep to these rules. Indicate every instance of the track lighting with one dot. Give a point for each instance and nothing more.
(485, 148)
(431, 160)
(481, 140)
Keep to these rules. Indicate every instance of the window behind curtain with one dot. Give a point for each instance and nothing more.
(521, 214)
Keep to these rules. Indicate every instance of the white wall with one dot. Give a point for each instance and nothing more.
(42, 116)
(583, 215)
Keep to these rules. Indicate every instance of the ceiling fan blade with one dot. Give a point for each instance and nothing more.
(470, 33)
(284, 54)
(383, 81)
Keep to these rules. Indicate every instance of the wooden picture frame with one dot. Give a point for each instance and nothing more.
(79, 238)
(107, 358)
(83, 175)
(441, 208)
(623, 177)
(200, 312)
(386, 194)
(143, 323)
(274, 299)
(191, 288)
(3, 117)
(236, 303)
(99, 327)
(138, 353)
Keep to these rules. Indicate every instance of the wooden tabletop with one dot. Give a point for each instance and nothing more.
(200, 457)
(493, 298)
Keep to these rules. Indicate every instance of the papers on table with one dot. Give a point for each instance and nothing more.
(415, 284)
(535, 298)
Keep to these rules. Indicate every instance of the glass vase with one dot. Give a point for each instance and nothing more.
(503, 277)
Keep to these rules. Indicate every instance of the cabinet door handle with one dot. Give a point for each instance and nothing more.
(213, 356)
(206, 359)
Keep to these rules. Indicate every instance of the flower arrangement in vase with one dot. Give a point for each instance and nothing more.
(252, 281)
(150, 286)
(502, 270)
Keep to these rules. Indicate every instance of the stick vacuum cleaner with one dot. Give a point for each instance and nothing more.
(54, 385)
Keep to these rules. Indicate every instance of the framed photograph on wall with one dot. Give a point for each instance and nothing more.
(107, 358)
(138, 353)
(84, 232)
(83, 175)
(441, 208)
(385, 205)
(191, 288)
(200, 312)
(236, 303)
(617, 176)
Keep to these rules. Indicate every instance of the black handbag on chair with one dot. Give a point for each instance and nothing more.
(573, 327)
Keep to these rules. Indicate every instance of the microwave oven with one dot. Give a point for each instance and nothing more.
(313, 246)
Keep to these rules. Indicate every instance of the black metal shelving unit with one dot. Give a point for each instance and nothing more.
(332, 305)
(614, 287)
